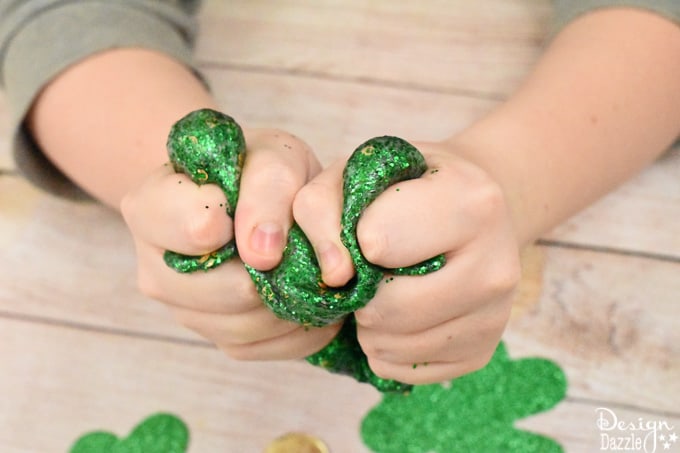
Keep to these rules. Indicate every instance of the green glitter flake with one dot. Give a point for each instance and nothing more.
(475, 413)
(209, 147)
(159, 433)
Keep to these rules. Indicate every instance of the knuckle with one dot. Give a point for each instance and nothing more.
(281, 174)
(489, 200)
(309, 199)
(280, 134)
(291, 142)
(381, 369)
(504, 278)
(244, 290)
(374, 243)
(369, 316)
(483, 196)
(372, 350)
(205, 232)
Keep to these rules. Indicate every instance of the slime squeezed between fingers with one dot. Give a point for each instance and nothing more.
(208, 146)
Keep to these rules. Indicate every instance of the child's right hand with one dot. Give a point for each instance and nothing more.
(169, 212)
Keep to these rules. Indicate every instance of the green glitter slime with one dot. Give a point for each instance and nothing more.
(208, 146)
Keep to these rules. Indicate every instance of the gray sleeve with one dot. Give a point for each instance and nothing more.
(568, 10)
(40, 38)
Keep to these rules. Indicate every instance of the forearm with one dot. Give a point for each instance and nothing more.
(600, 105)
(104, 121)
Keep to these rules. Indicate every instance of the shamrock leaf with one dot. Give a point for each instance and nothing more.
(476, 413)
(159, 433)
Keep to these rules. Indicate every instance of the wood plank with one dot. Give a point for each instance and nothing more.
(67, 382)
(72, 262)
(643, 215)
(462, 47)
(600, 316)
(611, 322)
(334, 117)
(576, 426)
(75, 330)
(98, 289)
(112, 382)
(446, 45)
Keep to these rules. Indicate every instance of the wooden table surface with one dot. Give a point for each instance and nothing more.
(82, 350)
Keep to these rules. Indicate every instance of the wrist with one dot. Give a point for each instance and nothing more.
(104, 121)
(501, 162)
(584, 121)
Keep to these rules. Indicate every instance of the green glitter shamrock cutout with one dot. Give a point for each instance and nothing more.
(475, 414)
(159, 433)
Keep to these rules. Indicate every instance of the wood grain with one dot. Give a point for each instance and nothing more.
(228, 406)
(83, 350)
(80, 382)
(437, 45)
(597, 312)
(642, 216)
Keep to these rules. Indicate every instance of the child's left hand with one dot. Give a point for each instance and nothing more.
(438, 326)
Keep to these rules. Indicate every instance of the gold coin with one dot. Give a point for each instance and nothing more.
(297, 443)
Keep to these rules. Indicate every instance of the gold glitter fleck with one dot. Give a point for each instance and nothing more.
(294, 290)
(203, 175)
(205, 258)
(367, 150)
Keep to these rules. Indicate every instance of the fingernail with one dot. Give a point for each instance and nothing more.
(267, 238)
(329, 257)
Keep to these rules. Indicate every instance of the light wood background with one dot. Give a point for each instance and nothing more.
(82, 350)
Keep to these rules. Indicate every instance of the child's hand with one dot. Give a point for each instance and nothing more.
(444, 324)
(169, 212)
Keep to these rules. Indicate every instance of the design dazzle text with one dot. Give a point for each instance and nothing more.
(641, 435)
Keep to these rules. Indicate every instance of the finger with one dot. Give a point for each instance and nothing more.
(455, 340)
(299, 343)
(171, 212)
(252, 326)
(317, 209)
(277, 165)
(420, 218)
(225, 289)
(471, 279)
(427, 372)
